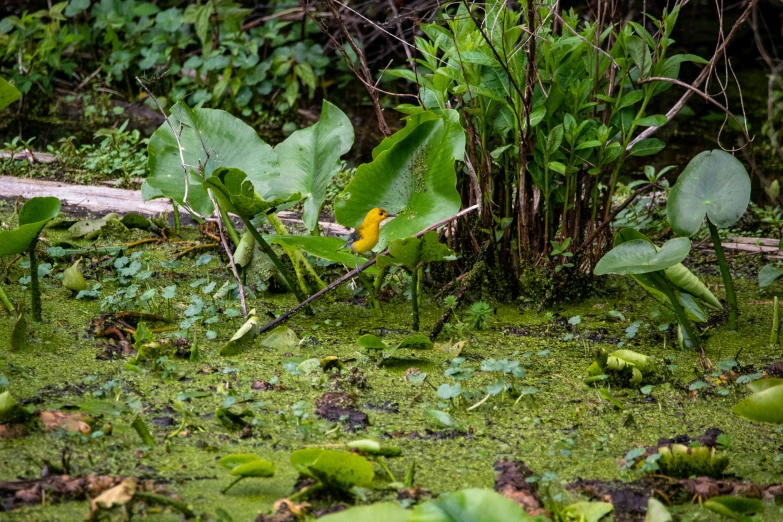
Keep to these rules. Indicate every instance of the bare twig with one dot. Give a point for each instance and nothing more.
(613, 215)
(703, 75)
(285, 316)
(231, 262)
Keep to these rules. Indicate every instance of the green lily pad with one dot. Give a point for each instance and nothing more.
(35, 214)
(8, 94)
(380, 512)
(640, 257)
(237, 459)
(734, 507)
(412, 342)
(714, 184)
(256, 468)
(309, 158)
(762, 406)
(412, 252)
(89, 228)
(236, 194)
(243, 337)
(334, 469)
(470, 504)
(282, 339)
(230, 143)
(412, 175)
(768, 275)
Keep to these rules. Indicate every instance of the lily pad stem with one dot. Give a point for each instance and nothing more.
(163, 500)
(35, 289)
(415, 298)
(731, 298)
(689, 338)
(6, 302)
(275, 260)
(223, 491)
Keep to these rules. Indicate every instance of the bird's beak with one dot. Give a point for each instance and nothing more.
(391, 215)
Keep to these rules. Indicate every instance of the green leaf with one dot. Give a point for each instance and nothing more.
(237, 459)
(373, 342)
(35, 214)
(470, 505)
(441, 419)
(640, 257)
(230, 143)
(764, 384)
(236, 194)
(412, 175)
(734, 507)
(335, 469)
(309, 158)
(657, 512)
(557, 167)
(74, 8)
(631, 98)
(714, 184)
(656, 120)
(640, 54)
(380, 512)
(325, 247)
(647, 147)
(372, 447)
(243, 337)
(763, 406)
(412, 252)
(589, 511)
(768, 275)
(256, 468)
(282, 339)
(8, 94)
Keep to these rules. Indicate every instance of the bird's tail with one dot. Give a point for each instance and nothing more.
(346, 245)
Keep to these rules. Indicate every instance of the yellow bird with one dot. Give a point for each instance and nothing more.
(365, 237)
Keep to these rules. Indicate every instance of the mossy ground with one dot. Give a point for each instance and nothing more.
(565, 428)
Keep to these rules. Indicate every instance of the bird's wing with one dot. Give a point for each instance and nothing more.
(355, 236)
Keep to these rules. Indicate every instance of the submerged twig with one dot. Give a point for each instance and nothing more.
(284, 316)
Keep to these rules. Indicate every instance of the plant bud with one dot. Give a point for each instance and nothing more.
(73, 278)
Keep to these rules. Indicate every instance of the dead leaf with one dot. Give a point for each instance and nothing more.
(73, 422)
(118, 496)
(12, 431)
(452, 350)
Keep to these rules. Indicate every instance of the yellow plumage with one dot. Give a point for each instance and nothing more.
(365, 237)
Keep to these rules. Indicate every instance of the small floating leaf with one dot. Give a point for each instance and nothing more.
(256, 468)
(763, 406)
(243, 337)
(237, 459)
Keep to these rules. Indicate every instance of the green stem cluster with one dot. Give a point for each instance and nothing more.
(689, 338)
(35, 289)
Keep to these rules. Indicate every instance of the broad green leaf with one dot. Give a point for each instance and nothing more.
(8, 94)
(763, 406)
(89, 228)
(309, 158)
(255, 468)
(325, 247)
(768, 275)
(640, 257)
(35, 214)
(380, 512)
(236, 194)
(372, 342)
(412, 252)
(734, 507)
(237, 459)
(243, 337)
(657, 512)
(631, 98)
(441, 419)
(640, 54)
(656, 120)
(678, 275)
(647, 147)
(227, 140)
(20, 334)
(588, 511)
(470, 505)
(714, 184)
(282, 339)
(336, 469)
(764, 384)
(416, 342)
(412, 175)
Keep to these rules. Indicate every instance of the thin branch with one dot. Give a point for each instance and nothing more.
(285, 316)
(231, 262)
(703, 75)
(613, 215)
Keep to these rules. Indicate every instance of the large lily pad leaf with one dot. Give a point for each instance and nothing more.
(310, 158)
(640, 257)
(687, 285)
(763, 406)
(324, 247)
(768, 275)
(412, 175)
(33, 217)
(337, 469)
(714, 184)
(380, 512)
(229, 142)
(236, 194)
(412, 251)
(8, 94)
(470, 504)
